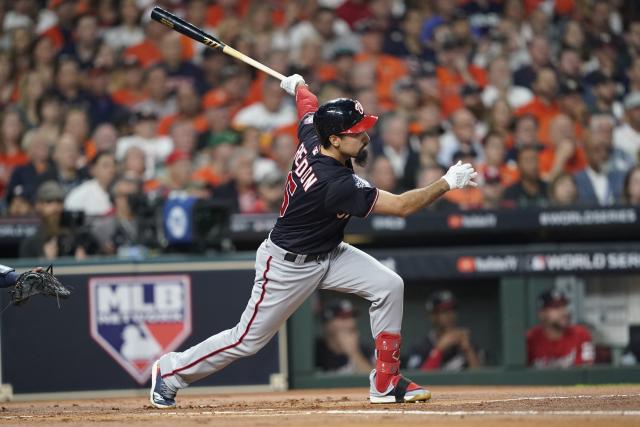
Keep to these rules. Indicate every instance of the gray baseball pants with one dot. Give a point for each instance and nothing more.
(280, 287)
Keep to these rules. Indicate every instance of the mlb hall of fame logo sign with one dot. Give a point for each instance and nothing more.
(136, 319)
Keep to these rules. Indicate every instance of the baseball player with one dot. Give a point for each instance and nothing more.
(305, 252)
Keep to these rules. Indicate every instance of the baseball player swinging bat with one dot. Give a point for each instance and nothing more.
(305, 249)
(183, 27)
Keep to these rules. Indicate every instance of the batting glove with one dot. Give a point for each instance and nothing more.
(290, 83)
(460, 176)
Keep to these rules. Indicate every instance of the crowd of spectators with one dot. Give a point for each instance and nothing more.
(106, 105)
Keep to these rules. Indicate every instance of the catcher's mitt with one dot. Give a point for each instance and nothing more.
(37, 281)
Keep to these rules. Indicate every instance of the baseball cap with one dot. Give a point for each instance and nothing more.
(224, 137)
(598, 78)
(176, 156)
(491, 176)
(632, 101)
(340, 309)
(142, 115)
(50, 191)
(342, 52)
(552, 298)
(441, 300)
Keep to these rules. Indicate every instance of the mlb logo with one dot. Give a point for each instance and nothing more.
(136, 319)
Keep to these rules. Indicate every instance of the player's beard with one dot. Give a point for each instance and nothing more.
(362, 156)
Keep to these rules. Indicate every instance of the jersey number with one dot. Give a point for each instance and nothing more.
(289, 188)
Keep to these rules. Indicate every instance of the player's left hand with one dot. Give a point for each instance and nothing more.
(289, 84)
(37, 281)
(460, 176)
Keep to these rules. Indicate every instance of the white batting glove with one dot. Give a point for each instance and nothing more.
(290, 83)
(460, 176)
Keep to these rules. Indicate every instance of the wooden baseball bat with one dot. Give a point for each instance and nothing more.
(183, 27)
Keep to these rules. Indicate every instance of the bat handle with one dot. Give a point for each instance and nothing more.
(244, 58)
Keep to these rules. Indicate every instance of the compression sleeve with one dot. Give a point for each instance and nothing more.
(306, 102)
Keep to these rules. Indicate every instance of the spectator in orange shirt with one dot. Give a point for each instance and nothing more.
(454, 72)
(148, 52)
(61, 33)
(388, 68)
(188, 104)
(495, 152)
(220, 148)
(565, 153)
(131, 90)
(543, 106)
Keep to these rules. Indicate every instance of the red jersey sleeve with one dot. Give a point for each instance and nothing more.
(306, 102)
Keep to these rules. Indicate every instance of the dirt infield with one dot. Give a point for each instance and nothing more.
(450, 406)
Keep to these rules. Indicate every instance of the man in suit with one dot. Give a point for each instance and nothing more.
(599, 183)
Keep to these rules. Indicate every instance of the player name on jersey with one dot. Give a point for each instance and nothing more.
(303, 169)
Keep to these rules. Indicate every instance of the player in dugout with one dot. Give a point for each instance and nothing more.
(305, 252)
(555, 342)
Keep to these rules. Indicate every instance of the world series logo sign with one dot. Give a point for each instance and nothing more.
(136, 319)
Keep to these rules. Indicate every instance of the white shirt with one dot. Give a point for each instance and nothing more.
(517, 96)
(155, 149)
(90, 198)
(600, 183)
(627, 139)
(397, 159)
(257, 116)
(122, 36)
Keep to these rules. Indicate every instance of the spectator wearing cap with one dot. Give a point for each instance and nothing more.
(626, 136)
(447, 346)
(404, 41)
(530, 190)
(219, 151)
(155, 147)
(64, 170)
(563, 191)
(543, 106)
(129, 32)
(339, 350)
(571, 103)
(454, 71)
(599, 183)
(354, 11)
(92, 196)
(17, 202)
(463, 136)
(604, 96)
(555, 342)
(37, 145)
(501, 85)
(273, 112)
(54, 238)
(394, 135)
(539, 58)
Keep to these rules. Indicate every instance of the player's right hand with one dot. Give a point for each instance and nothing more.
(290, 83)
(460, 176)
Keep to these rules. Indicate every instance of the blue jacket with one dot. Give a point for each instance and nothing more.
(587, 194)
